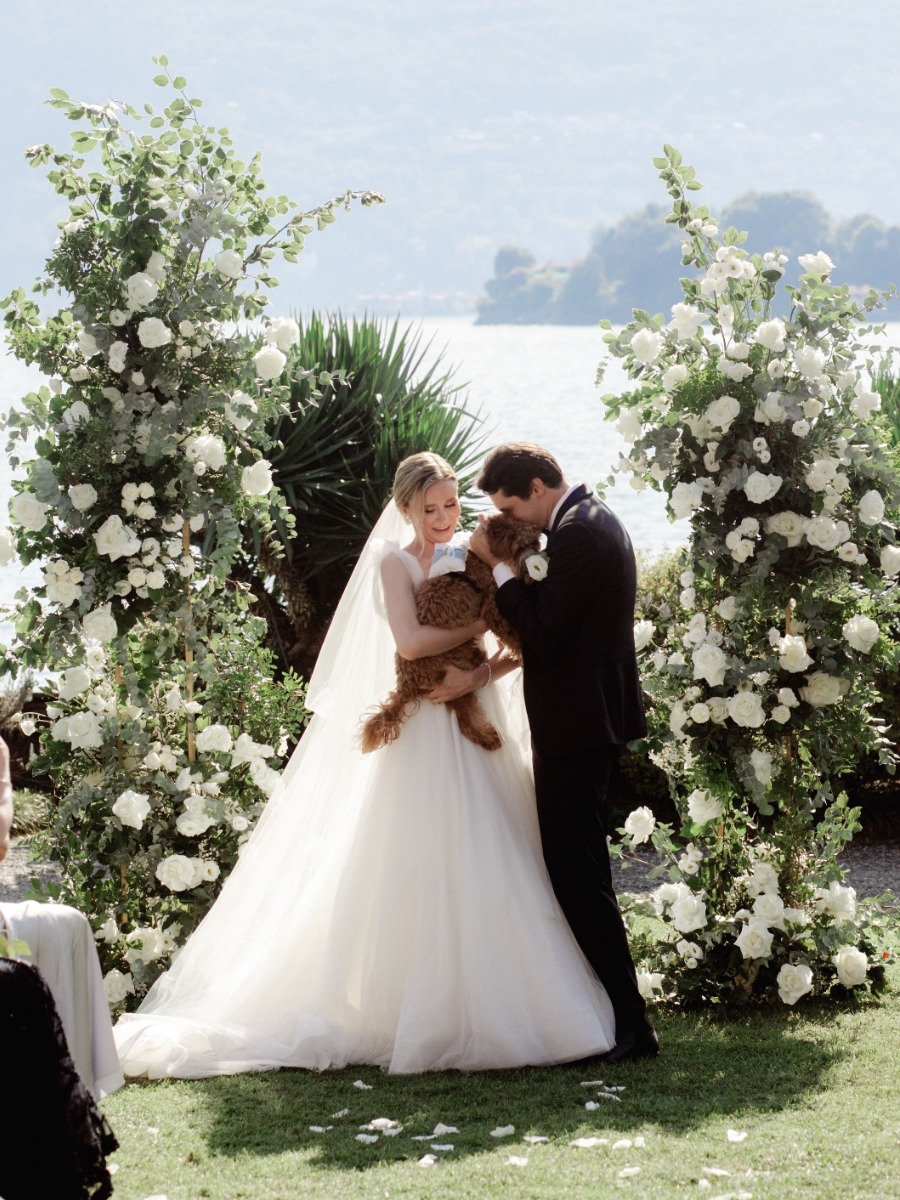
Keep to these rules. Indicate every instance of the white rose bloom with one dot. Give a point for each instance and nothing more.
(643, 634)
(686, 320)
(100, 624)
(83, 731)
(702, 807)
(28, 511)
(816, 264)
(797, 917)
(755, 940)
(735, 371)
(83, 496)
(688, 913)
(771, 334)
(890, 561)
(152, 333)
(746, 710)
(155, 580)
(63, 589)
(851, 965)
(861, 633)
(699, 713)
(210, 871)
(792, 653)
(194, 824)
(178, 873)
(709, 663)
(794, 980)
(7, 546)
(722, 412)
(116, 539)
(649, 983)
(768, 908)
(214, 738)
(256, 480)
(73, 682)
(283, 332)
(759, 488)
(864, 404)
(825, 533)
(838, 901)
(629, 425)
(738, 351)
(141, 289)
(132, 808)
(809, 361)
(800, 429)
(206, 448)
(685, 498)
(229, 263)
(639, 825)
(718, 709)
(117, 986)
(76, 414)
(781, 713)
(269, 362)
(763, 878)
(150, 947)
(871, 508)
(156, 266)
(674, 375)
(762, 766)
(646, 346)
(789, 525)
(823, 689)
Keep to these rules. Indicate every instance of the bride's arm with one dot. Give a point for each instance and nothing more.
(412, 639)
(457, 682)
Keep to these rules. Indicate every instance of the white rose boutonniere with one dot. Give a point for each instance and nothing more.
(537, 566)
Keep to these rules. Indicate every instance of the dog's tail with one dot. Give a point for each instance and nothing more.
(383, 726)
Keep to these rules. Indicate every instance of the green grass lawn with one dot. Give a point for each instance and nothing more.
(816, 1091)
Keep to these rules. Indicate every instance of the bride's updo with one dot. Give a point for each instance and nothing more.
(413, 478)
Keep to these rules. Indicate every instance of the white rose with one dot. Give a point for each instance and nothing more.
(851, 965)
(283, 332)
(156, 266)
(823, 689)
(738, 351)
(825, 533)
(790, 525)
(150, 945)
(871, 508)
(629, 424)
(688, 913)
(155, 580)
(816, 264)
(214, 738)
(649, 983)
(709, 663)
(761, 765)
(229, 263)
(209, 871)
(674, 375)
(759, 488)
(763, 878)
(685, 498)
(639, 825)
(722, 412)
(178, 873)
(83, 496)
(768, 909)
(206, 448)
(132, 808)
(838, 901)
(117, 986)
(864, 404)
(83, 731)
(194, 824)
(537, 567)
(7, 546)
(729, 608)
(809, 361)
(269, 362)
(781, 713)
(890, 561)
(792, 653)
(141, 289)
(771, 334)
(256, 480)
(643, 634)
(745, 709)
(116, 539)
(152, 332)
(28, 511)
(735, 371)
(100, 624)
(861, 633)
(73, 682)
(702, 807)
(686, 320)
(755, 940)
(646, 346)
(794, 980)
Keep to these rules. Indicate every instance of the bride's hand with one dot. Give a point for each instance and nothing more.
(456, 683)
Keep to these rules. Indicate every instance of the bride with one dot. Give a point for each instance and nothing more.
(390, 908)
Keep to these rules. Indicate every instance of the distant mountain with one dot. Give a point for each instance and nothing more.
(637, 262)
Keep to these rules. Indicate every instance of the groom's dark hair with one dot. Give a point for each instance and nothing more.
(512, 467)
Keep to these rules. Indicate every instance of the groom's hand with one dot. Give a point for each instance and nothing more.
(456, 683)
(479, 545)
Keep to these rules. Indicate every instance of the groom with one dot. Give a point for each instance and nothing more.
(583, 698)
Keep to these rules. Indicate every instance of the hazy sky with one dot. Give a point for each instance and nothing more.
(483, 123)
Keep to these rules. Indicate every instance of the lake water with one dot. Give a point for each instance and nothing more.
(532, 383)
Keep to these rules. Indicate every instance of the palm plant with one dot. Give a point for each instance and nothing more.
(385, 395)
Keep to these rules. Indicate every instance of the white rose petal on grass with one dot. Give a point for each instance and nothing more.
(622, 1144)
(362, 1085)
(256, 480)
(535, 1139)
(442, 1146)
(517, 1160)
(588, 1143)
(367, 1139)
(381, 1124)
(269, 362)
(639, 824)
(428, 1160)
(503, 1131)
(717, 1172)
(591, 1106)
(736, 1135)
(629, 1172)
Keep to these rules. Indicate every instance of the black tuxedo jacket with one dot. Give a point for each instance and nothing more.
(582, 689)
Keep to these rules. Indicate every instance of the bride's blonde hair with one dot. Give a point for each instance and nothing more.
(413, 477)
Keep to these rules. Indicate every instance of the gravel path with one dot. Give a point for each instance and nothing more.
(873, 869)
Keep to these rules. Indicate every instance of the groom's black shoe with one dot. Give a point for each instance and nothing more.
(631, 1046)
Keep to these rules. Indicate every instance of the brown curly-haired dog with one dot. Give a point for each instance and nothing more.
(450, 601)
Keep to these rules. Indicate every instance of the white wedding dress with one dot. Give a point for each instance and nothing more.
(390, 909)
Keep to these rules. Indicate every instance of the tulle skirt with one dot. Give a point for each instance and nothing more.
(391, 909)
